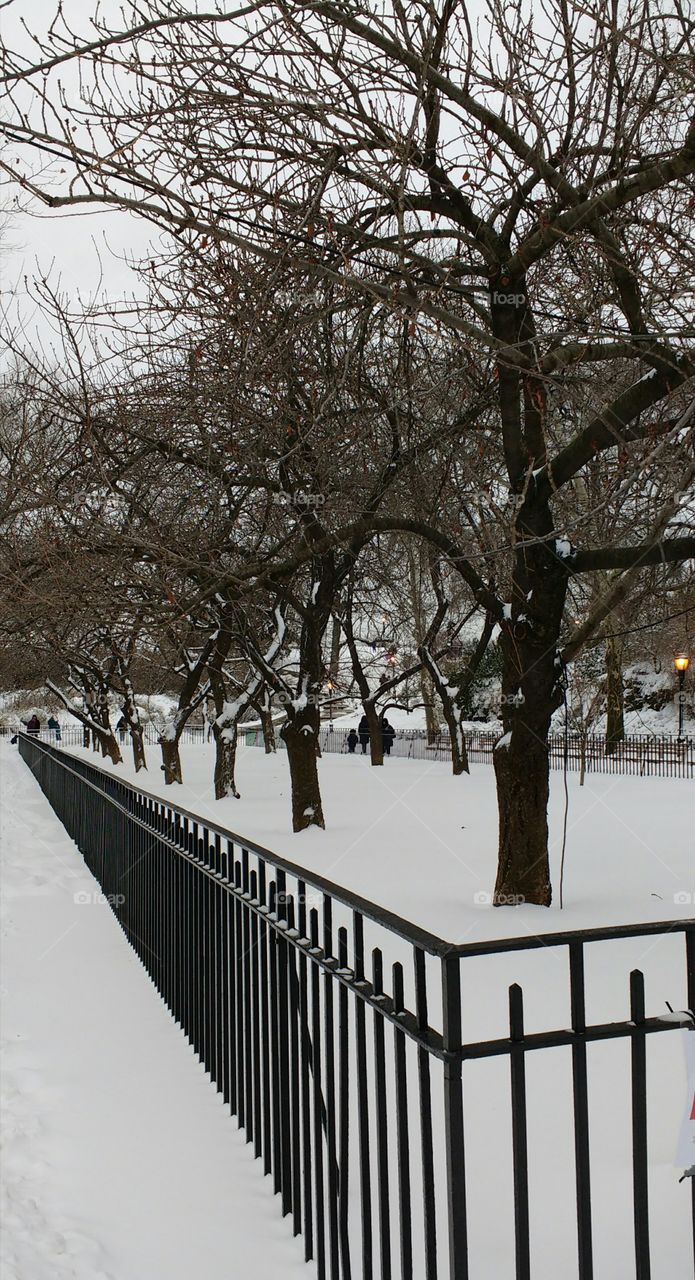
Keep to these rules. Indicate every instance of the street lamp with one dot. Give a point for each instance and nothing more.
(681, 662)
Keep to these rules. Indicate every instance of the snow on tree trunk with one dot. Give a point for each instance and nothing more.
(449, 694)
(137, 736)
(171, 760)
(137, 733)
(459, 750)
(102, 739)
(300, 735)
(225, 762)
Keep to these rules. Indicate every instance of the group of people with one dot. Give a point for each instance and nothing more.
(33, 726)
(361, 735)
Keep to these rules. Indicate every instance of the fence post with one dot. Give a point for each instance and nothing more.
(453, 1118)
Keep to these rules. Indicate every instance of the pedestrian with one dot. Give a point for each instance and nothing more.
(33, 725)
(54, 726)
(363, 732)
(122, 727)
(388, 734)
(352, 740)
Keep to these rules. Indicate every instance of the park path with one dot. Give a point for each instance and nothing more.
(119, 1160)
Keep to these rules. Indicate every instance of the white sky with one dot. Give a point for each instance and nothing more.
(85, 254)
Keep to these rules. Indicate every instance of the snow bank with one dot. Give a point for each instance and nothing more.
(120, 1161)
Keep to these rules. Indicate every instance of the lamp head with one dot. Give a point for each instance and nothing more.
(681, 662)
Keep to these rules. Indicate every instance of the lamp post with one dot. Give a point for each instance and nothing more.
(681, 663)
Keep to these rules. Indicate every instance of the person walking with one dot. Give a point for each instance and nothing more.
(33, 725)
(363, 732)
(54, 726)
(352, 740)
(121, 728)
(388, 734)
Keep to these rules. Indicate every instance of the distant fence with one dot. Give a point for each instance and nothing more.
(662, 756)
(73, 735)
(645, 755)
(335, 1033)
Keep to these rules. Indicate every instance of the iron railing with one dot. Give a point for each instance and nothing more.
(646, 755)
(335, 1032)
(74, 735)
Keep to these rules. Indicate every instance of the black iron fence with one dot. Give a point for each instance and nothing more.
(647, 755)
(74, 735)
(336, 1033)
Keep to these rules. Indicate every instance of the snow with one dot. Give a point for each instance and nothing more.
(413, 838)
(119, 1159)
(563, 548)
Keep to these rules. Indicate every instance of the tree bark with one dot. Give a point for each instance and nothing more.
(522, 774)
(615, 720)
(376, 740)
(420, 628)
(459, 751)
(300, 736)
(137, 736)
(532, 680)
(171, 760)
(268, 729)
(431, 720)
(334, 664)
(225, 762)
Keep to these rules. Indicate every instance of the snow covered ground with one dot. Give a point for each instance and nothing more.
(119, 1161)
(415, 839)
(411, 837)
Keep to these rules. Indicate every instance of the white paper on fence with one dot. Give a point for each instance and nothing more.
(685, 1156)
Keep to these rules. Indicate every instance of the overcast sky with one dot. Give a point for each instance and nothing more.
(86, 253)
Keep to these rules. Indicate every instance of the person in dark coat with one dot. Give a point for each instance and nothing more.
(352, 740)
(388, 734)
(122, 728)
(363, 732)
(54, 727)
(34, 725)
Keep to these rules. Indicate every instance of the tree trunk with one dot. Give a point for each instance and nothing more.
(171, 760)
(137, 735)
(376, 740)
(431, 719)
(334, 663)
(615, 722)
(268, 729)
(532, 689)
(459, 751)
(131, 715)
(110, 748)
(300, 736)
(225, 762)
(522, 773)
